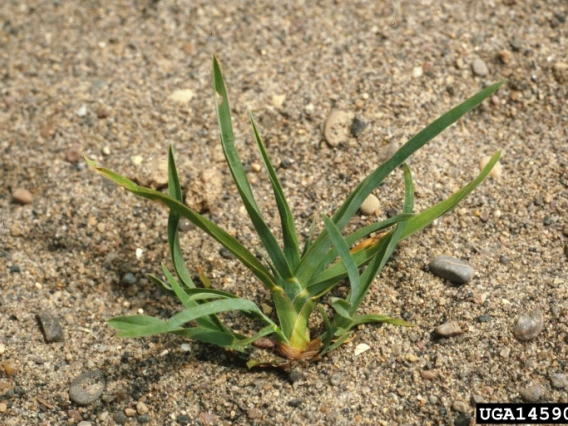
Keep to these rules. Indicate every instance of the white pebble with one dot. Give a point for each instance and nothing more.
(182, 96)
(370, 206)
(362, 347)
(417, 72)
(139, 252)
(186, 347)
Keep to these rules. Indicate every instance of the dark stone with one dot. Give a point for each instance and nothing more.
(128, 279)
(144, 418)
(52, 330)
(120, 418)
(296, 402)
(455, 270)
(462, 419)
(286, 163)
(357, 127)
(183, 420)
(87, 387)
(484, 318)
(226, 253)
(15, 269)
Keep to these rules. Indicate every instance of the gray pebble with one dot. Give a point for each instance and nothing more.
(336, 379)
(448, 329)
(455, 270)
(479, 68)
(532, 393)
(462, 420)
(144, 418)
(357, 127)
(87, 387)
(484, 318)
(120, 418)
(129, 278)
(460, 406)
(296, 402)
(529, 325)
(52, 331)
(476, 399)
(559, 381)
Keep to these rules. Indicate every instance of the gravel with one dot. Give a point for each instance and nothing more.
(87, 387)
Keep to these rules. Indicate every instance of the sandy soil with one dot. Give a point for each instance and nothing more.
(98, 78)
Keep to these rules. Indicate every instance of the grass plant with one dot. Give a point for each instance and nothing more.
(297, 275)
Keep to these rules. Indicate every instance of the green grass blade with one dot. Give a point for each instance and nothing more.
(351, 239)
(291, 250)
(162, 285)
(217, 233)
(214, 337)
(215, 307)
(313, 257)
(420, 221)
(329, 330)
(239, 176)
(174, 189)
(344, 254)
(365, 319)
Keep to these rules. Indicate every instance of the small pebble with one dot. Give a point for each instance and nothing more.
(81, 112)
(462, 419)
(103, 416)
(428, 374)
(74, 153)
(448, 329)
(2, 348)
(357, 127)
(479, 68)
(182, 96)
(336, 127)
(336, 379)
(120, 418)
(130, 412)
(532, 393)
(504, 56)
(455, 270)
(15, 269)
(87, 387)
(22, 196)
(186, 347)
(106, 150)
(254, 413)
(136, 160)
(370, 206)
(9, 367)
(84, 423)
(529, 325)
(206, 418)
(141, 408)
(128, 279)
(417, 72)
(362, 347)
(296, 402)
(476, 399)
(255, 167)
(559, 381)
(484, 318)
(565, 230)
(3, 407)
(52, 330)
(460, 406)
(560, 71)
(143, 419)
(286, 163)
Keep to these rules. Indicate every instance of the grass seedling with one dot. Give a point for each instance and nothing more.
(296, 277)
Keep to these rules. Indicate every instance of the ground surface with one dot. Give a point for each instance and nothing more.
(97, 78)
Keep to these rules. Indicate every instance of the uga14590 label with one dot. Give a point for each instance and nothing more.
(545, 413)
